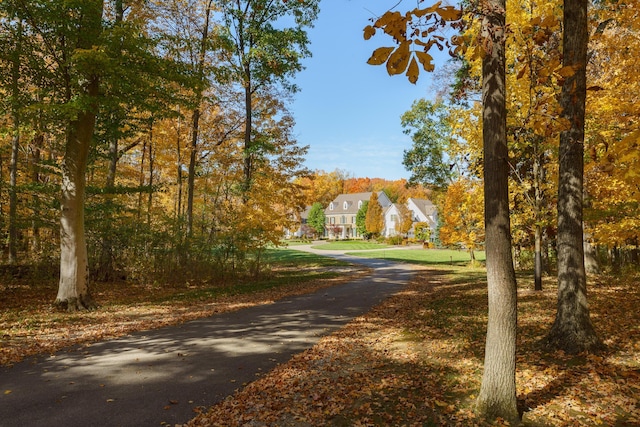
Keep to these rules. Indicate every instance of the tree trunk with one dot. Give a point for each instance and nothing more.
(572, 330)
(73, 288)
(192, 169)
(248, 155)
(195, 121)
(36, 154)
(497, 397)
(15, 147)
(537, 184)
(151, 165)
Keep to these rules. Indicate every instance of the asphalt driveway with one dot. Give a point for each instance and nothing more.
(160, 377)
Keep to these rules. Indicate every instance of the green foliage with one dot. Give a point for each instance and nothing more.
(428, 124)
(316, 218)
(361, 219)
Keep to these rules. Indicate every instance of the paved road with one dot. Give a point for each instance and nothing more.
(161, 376)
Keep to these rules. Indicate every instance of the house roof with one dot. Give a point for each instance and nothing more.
(426, 207)
(392, 206)
(348, 203)
(305, 213)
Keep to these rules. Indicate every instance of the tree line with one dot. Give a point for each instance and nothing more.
(147, 139)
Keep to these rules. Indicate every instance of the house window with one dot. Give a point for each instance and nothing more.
(353, 220)
(331, 206)
(359, 204)
(394, 218)
(345, 206)
(332, 220)
(343, 220)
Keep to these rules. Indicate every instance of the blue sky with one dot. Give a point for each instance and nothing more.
(347, 111)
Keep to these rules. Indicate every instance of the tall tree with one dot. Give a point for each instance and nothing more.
(195, 117)
(572, 330)
(83, 83)
(263, 53)
(497, 397)
(430, 132)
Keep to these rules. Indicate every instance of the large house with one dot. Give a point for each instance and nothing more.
(424, 211)
(341, 214)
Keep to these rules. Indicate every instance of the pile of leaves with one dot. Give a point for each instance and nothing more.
(417, 360)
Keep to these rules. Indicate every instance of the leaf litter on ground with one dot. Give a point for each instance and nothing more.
(415, 360)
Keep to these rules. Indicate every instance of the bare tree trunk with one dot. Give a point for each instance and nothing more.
(497, 397)
(572, 330)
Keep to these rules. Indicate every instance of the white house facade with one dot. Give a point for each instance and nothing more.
(423, 210)
(341, 214)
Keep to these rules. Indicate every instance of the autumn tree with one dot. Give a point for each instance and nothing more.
(374, 219)
(316, 218)
(612, 134)
(322, 187)
(572, 330)
(405, 219)
(262, 53)
(497, 397)
(462, 216)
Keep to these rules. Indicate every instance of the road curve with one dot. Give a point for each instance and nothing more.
(162, 376)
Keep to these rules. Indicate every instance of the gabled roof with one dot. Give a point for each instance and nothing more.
(425, 206)
(395, 206)
(348, 203)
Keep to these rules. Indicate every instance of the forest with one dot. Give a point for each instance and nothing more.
(151, 141)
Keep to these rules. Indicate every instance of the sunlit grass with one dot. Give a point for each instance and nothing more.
(424, 256)
(350, 245)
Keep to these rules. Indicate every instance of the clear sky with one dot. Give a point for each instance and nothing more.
(347, 111)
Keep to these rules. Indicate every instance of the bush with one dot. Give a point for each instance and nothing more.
(395, 240)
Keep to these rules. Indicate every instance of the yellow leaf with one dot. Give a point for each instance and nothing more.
(441, 403)
(425, 59)
(7, 392)
(413, 71)
(399, 59)
(380, 55)
(369, 31)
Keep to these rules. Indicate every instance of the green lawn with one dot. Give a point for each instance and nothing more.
(423, 256)
(284, 257)
(350, 245)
